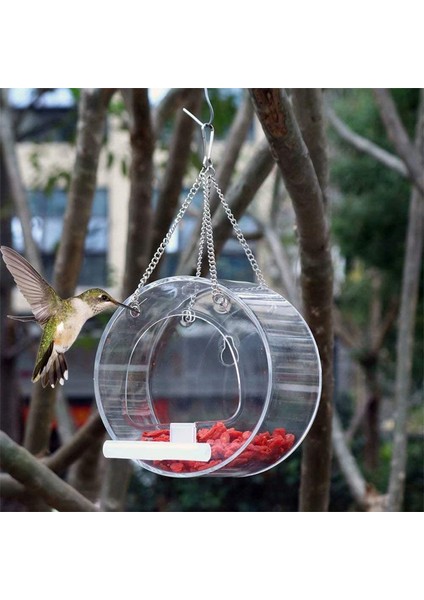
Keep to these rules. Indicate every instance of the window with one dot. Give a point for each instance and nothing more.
(47, 213)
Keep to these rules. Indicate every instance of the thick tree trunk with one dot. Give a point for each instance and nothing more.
(309, 110)
(140, 213)
(291, 154)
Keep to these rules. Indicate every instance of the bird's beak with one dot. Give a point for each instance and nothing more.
(120, 304)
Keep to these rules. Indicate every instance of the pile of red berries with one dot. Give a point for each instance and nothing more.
(265, 448)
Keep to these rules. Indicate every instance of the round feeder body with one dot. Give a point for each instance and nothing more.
(195, 385)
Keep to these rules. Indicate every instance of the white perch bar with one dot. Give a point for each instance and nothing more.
(156, 450)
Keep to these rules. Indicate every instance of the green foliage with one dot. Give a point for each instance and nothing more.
(369, 220)
(275, 490)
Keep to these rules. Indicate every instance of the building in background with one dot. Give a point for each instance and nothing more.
(46, 125)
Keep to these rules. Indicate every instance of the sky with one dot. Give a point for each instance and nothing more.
(62, 97)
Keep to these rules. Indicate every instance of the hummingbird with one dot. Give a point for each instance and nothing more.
(60, 319)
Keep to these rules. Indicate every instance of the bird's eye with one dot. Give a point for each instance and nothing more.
(104, 297)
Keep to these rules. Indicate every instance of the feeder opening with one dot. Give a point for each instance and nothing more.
(174, 356)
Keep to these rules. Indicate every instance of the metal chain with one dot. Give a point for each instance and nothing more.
(247, 250)
(207, 224)
(158, 254)
(206, 235)
(205, 178)
(201, 246)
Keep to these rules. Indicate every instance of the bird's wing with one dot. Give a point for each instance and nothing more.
(41, 296)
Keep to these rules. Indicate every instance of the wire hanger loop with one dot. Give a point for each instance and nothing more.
(207, 143)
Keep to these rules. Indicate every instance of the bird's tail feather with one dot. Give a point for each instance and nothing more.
(51, 368)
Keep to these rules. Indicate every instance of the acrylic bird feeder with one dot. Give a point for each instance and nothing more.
(202, 376)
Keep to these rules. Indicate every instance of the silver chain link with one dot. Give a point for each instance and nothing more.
(205, 178)
(158, 254)
(207, 224)
(247, 250)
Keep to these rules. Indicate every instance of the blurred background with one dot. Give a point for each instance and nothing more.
(368, 195)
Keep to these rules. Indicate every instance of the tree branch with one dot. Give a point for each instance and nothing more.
(38, 478)
(364, 145)
(90, 131)
(174, 99)
(242, 192)
(406, 326)
(16, 186)
(231, 152)
(141, 178)
(170, 190)
(308, 108)
(61, 459)
(291, 154)
(404, 348)
(399, 137)
(348, 466)
(283, 264)
(90, 134)
(83, 439)
(225, 169)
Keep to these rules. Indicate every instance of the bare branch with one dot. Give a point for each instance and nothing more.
(399, 137)
(406, 326)
(115, 485)
(90, 133)
(83, 438)
(39, 421)
(224, 172)
(170, 190)
(38, 478)
(367, 146)
(385, 325)
(347, 463)
(283, 264)
(291, 154)
(174, 99)
(242, 192)
(349, 335)
(404, 349)
(91, 126)
(234, 143)
(13, 174)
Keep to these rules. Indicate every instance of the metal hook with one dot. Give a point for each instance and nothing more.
(206, 152)
(211, 113)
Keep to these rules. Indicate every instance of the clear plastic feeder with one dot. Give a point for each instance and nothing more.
(196, 386)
